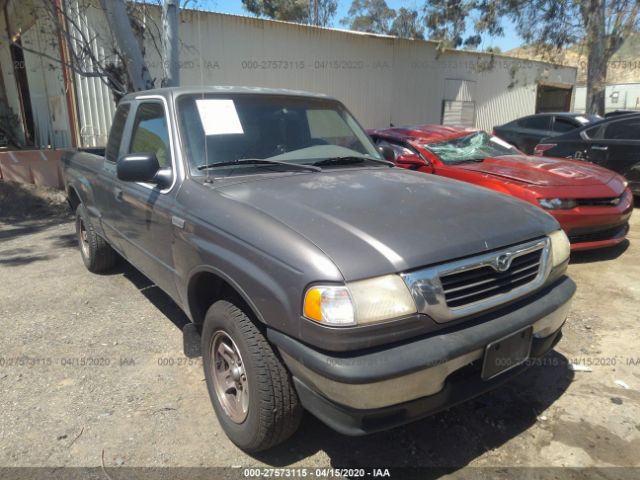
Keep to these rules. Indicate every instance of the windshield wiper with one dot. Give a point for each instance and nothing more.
(346, 160)
(259, 161)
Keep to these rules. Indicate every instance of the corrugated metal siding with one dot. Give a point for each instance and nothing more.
(46, 88)
(381, 79)
(94, 100)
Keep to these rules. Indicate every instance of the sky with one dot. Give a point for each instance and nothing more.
(510, 39)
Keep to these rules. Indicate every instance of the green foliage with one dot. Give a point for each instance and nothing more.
(315, 12)
(372, 16)
(407, 24)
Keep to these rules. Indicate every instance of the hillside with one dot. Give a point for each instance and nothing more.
(624, 66)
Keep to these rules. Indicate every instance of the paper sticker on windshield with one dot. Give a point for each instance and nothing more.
(218, 117)
(500, 142)
(582, 119)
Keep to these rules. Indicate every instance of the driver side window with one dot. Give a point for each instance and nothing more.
(150, 133)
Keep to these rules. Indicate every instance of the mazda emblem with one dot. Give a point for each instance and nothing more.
(502, 262)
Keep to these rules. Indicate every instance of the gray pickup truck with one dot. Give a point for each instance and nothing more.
(320, 276)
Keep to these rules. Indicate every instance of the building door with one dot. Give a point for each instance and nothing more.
(458, 105)
(552, 98)
(22, 84)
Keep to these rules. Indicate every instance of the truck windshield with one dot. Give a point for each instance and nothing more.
(471, 148)
(220, 131)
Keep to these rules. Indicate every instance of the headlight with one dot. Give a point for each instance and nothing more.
(557, 203)
(357, 303)
(560, 247)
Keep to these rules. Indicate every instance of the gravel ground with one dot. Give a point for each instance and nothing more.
(93, 372)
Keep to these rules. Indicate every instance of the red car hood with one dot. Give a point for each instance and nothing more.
(542, 171)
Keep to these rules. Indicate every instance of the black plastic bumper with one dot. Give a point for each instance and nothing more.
(460, 387)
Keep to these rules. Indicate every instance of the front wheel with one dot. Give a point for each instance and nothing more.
(250, 388)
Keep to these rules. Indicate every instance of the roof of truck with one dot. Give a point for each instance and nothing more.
(222, 89)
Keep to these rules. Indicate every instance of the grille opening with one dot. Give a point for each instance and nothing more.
(596, 236)
(477, 284)
(600, 202)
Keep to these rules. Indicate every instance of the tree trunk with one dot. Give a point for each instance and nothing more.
(170, 44)
(118, 18)
(597, 61)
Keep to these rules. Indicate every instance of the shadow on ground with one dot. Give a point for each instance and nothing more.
(601, 254)
(446, 441)
(19, 202)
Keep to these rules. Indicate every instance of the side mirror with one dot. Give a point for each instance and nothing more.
(387, 153)
(138, 167)
(412, 162)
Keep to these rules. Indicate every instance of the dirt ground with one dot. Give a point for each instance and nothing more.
(93, 372)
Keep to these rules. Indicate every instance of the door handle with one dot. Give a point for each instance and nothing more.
(602, 148)
(118, 194)
(177, 221)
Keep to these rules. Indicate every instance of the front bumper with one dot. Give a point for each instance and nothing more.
(384, 387)
(596, 227)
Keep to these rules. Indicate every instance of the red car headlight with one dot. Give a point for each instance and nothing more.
(557, 203)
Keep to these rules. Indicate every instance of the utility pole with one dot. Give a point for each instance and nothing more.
(171, 62)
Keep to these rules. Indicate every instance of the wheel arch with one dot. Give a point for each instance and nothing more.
(208, 285)
(73, 198)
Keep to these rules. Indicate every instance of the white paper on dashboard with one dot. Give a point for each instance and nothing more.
(501, 142)
(218, 116)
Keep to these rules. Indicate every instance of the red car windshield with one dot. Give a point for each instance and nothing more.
(471, 148)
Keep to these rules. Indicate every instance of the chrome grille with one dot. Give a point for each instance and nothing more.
(471, 285)
(474, 285)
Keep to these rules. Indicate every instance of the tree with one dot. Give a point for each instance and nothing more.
(550, 26)
(372, 16)
(407, 24)
(128, 28)
(313, 12)
(322, 12)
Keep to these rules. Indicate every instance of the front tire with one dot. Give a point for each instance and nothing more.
(97, 254)
(250, 388)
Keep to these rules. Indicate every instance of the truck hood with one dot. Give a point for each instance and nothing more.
(542, 171)
(378, 221)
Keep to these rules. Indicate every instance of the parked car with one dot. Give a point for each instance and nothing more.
(612, 143)
(616, 113)
(592, 204)
(526, 132)
(322, 277)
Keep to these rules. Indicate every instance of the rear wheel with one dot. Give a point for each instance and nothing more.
(97, 254)
(250, 388)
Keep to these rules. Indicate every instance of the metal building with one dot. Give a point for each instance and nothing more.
(383, 80)
(622, 96)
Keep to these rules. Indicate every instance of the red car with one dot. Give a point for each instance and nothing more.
(592, 204)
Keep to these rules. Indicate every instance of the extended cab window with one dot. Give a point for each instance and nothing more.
(115, 136)
(150, 133)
